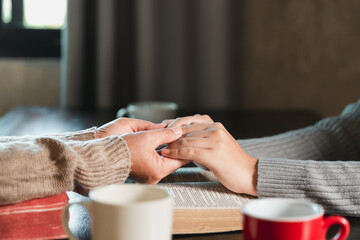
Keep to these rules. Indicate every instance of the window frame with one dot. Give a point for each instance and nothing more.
(19, 42)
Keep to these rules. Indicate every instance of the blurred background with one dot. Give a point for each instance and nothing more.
(208, 54)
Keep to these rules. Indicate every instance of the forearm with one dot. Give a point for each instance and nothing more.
(292, 164)
(332, 138)
(297, 144)
(39, 167)
(83, 135)
(333, 184)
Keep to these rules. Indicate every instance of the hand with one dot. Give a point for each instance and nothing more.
(147, 165)
(185, 121)
(212, 146)
(190, 120)
(122, 126)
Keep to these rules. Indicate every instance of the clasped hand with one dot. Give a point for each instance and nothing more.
(194, 138)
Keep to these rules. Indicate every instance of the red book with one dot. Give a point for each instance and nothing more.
(34, 219)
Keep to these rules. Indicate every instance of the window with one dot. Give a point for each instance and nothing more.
(31, 28)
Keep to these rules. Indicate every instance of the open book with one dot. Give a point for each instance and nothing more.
(201, 203)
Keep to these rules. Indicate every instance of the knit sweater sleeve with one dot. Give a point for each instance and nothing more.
(320, 163)
(82, 135)
(33, 167)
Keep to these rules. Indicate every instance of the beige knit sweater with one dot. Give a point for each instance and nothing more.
(33, 167)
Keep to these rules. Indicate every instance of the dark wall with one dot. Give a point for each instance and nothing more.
(300, 54)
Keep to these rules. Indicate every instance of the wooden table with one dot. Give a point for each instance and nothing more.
(240, 123)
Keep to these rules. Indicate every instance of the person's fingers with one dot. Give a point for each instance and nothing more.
(195, 128)
(201, 127)
(159, 168)
(190, 120)
(207, 133)
(159, 126)
(122, 126)
(195, 142)
(167, 121)
(162, 136)
(173, 164)
(141, 125)
(161, 147)
(189, 153)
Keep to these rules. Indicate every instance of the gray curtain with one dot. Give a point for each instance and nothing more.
(98, 55)
(187, 51)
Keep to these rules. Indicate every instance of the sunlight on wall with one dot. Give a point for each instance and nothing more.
(6, 11)
(44, 13)
(40, 14)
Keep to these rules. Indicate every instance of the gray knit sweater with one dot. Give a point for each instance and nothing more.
(320, 163)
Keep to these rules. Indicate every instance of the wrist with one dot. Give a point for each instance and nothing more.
(253, 171)
(99, 133)
(255, 177)
(96, 133)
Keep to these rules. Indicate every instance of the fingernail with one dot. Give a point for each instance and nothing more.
(177, 130)
(165, 151)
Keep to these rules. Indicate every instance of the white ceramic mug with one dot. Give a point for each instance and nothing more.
(154, 111)
(127, 212)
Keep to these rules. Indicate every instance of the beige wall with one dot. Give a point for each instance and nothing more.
(301, 54)
(28, 82)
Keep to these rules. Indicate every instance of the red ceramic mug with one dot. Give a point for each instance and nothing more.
(289, 219)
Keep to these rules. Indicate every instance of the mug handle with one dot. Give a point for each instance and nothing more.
(122, 113)
(65, 218)
(337, 220)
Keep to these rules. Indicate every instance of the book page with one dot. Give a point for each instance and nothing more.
(206, 195)
(190, 174)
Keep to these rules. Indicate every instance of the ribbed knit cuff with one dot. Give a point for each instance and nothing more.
(281, 178)
(333, 184)
(105, 161)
